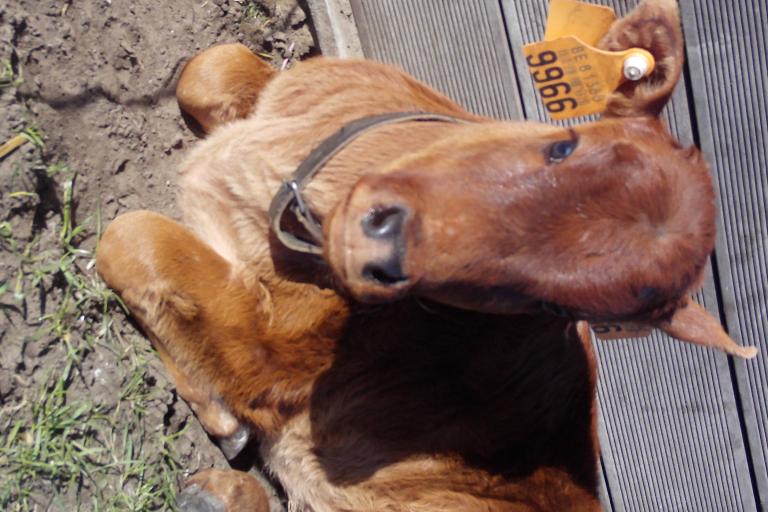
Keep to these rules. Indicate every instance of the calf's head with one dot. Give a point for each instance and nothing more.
(611, 220)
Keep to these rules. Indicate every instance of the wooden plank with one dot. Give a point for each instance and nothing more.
(670, 433)
(457, 46)
(335, 29)
(727, 58)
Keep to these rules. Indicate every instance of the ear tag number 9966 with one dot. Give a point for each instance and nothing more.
(575, 79)
(572, 76)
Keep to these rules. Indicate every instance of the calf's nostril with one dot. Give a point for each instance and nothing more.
(384, 222)
(387, 272)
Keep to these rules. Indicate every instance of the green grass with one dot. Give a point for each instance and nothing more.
(8, 76)
(59, 450)
(251, 11)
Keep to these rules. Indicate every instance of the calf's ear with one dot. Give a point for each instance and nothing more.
(654, 25)
(694, 324)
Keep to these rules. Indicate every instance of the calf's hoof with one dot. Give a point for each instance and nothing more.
(233, 444)
(217, 490)
(231, 435)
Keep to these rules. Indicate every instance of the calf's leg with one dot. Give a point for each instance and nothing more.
(171, 282)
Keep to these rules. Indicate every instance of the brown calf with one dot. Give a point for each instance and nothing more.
(414, 366)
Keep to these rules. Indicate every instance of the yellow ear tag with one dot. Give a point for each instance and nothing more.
(572, 76)
(588, 22)
(620, 330)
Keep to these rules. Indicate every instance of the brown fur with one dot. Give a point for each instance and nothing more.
(475, 402)
(210, 95)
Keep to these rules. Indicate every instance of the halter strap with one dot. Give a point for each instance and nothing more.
(289, 194)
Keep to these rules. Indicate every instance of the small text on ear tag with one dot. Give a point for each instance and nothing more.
(620, 330)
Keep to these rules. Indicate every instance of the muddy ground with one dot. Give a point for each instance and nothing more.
(88, 419)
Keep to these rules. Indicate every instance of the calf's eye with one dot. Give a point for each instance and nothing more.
(561, 150)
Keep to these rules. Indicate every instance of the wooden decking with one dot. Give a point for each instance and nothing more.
(682, 428)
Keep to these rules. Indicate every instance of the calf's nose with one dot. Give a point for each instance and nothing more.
(384, 223)
(370, 237)
(386, 272)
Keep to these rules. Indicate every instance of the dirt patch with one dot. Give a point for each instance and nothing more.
(88, 420)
